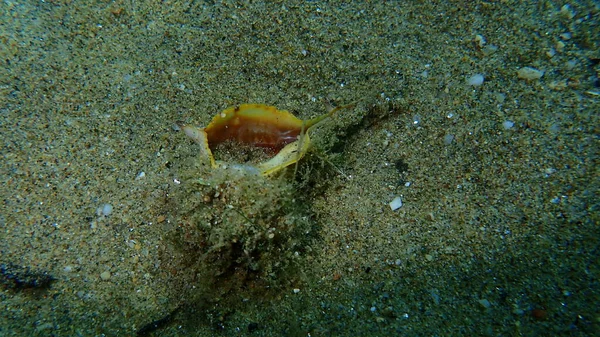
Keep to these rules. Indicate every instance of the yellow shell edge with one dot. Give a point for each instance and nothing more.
(289, 155)
(199, 136)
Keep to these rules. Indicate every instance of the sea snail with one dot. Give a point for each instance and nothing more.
(261, 126)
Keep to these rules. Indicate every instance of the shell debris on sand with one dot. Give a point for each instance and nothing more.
(530, 74)
(396, 203)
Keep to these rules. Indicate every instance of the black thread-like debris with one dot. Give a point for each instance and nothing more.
(158, 324)
(18, 277)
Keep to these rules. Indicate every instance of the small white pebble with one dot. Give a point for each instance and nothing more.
(529, 73)
(296, 290)
(396, 203)
(475, 80)
(107, 209)
(140, 175)
(105, 276)
(373, 309)
(416, 119)
(508, 125)
(566, 36)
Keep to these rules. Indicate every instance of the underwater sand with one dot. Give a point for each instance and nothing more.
(498, 232)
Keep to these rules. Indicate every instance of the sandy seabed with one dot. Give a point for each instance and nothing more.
(498, 232)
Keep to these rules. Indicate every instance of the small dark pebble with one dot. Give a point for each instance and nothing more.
(252, 327)
(539, 314)
(401, 165)
(18, 278)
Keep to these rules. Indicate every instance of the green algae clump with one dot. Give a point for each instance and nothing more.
(236, 228)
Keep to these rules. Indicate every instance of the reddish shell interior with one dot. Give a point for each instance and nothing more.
(255, 131)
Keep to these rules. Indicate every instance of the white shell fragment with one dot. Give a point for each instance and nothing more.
(507, 125)
(475, 80)
(529, 73)
(104, 210)
(396, 203)
(105, 276)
